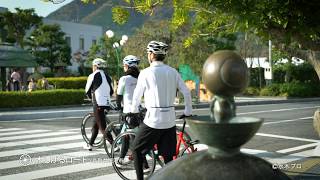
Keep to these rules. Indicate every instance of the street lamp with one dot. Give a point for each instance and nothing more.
(117, 46)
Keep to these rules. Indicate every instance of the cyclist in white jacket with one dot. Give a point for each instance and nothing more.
(158, 84)
(99, 89)
(126, 86)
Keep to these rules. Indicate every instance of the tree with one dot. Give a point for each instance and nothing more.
(104, 49)
(284, 22)
(178, 54)
(48, 45)
(16, 24)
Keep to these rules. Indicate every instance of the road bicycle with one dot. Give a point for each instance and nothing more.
(87, 122)
(127, 171)
(116, 127)
(185, 145)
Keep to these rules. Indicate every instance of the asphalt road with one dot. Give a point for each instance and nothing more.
(286, 137)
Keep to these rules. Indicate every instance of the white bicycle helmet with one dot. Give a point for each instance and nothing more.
(131, 60)
(98, 62)
(157, 47)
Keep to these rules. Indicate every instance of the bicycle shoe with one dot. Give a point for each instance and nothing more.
(122, 162)
(87, 147)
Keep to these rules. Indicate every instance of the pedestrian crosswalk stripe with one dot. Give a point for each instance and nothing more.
(23, 132)
(113, 176)
(40, 141)
(55, 171)
(73, 129)
(82, 158)
(40, 149)
(43, 159)
(10, 129)
(36, 136)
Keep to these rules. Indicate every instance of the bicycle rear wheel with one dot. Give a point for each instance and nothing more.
(126, 169)
(86, 130)
(114, 128)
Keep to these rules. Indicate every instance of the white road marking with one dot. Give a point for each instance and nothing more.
(40, 141)
(287, 137)
(20, 133)
(278, 110)
(55, 171)
(35, 136)
(40, 149)
(66, 157)
(113, 176)
(11, 129)
(290, 158)
(297, 148)
(289, 120)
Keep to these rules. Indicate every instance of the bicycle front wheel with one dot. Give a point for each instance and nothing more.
(113, 129)
(86, 130)
(123, 161)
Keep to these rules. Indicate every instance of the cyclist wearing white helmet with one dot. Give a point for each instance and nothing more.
(128, 82)
(99, 89)
(126, 86)
(158, 84)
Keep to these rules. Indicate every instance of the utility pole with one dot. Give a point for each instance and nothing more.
(270, 61)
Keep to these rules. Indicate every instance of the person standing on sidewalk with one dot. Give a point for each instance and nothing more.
(15, 76)
(99, 89)
(158, 83)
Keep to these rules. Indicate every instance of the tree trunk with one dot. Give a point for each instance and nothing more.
(3, 77)
(314, 59)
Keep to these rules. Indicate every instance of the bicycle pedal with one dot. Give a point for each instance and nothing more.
(194, 142)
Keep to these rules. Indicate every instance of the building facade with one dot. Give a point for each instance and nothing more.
(80, 37)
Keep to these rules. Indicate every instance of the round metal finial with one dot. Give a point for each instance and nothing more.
(224, 74)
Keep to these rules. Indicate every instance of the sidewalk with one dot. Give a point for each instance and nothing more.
(76, 111)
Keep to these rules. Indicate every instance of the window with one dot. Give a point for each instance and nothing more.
(94, 41)
(68, 39)
(81, 43)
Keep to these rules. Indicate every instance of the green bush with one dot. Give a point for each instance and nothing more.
(303, 73)
(272, 90)
(294, 89)
(68, 82)
(56, 97)
(251, 91)
(256, 77)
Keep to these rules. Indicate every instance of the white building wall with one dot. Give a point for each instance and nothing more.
(76, 31)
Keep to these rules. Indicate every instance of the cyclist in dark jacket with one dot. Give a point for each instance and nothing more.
(99, 89)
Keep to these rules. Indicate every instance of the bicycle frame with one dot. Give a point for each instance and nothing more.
(181, 140)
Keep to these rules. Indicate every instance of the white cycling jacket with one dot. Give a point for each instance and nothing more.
(99, 88)
(126, 87)
(158, 84)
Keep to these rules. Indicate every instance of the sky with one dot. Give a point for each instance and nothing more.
(41, 8)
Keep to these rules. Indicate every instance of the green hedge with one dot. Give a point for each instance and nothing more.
(294, 89)
(56, 97)
(68, 82)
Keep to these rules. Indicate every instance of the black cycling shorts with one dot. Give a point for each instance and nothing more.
(147, 137)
